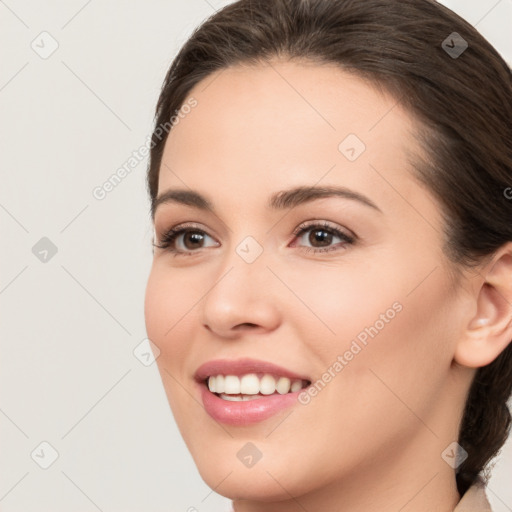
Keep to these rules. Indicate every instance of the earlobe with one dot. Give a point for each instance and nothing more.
(489, 331)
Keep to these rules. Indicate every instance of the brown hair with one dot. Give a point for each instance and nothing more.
(464, 107)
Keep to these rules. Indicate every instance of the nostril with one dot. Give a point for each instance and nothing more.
(246, 325)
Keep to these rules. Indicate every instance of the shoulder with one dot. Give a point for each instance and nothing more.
(475, 499)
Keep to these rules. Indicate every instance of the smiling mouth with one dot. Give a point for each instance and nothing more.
(252, 386)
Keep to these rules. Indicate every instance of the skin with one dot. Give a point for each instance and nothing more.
(372, 438)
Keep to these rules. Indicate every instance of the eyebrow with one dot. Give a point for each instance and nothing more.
(282, 200)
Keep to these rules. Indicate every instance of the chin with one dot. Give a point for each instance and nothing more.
(265, 481)
(246, 485)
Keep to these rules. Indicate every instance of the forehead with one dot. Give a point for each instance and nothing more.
(270, 126)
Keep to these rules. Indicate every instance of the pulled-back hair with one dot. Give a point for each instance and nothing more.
(463, 106)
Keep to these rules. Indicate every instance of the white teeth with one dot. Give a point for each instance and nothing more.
(267, 385)
(296, 386)
(283, 385)
(238, 398)
(231, 385)
(211, 384)
(219, 384)
(251, 385)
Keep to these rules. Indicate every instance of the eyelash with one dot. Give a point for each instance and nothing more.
(168, 239)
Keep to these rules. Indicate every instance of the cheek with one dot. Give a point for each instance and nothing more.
(405, 362)
(156, 309)
(336, 303)
(167, 308)
(166, 299)
(393, 325)
(167, 311)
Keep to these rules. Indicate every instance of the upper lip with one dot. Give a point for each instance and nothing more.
(241, 367)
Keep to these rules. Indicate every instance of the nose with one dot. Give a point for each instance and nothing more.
(242, 297)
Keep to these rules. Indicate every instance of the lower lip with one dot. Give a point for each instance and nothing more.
(245, 412)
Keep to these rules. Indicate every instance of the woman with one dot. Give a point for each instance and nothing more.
(330, 292)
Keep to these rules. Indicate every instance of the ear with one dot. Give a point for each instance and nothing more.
(489, 331)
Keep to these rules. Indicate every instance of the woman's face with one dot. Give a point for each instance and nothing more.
(360, 303)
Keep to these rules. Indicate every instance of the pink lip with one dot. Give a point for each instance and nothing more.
(246, 412)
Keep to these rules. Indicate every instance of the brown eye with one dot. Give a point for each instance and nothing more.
(322, 236)
(184, 240)
(192, 239)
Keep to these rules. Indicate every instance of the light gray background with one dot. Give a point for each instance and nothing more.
(69, 326)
